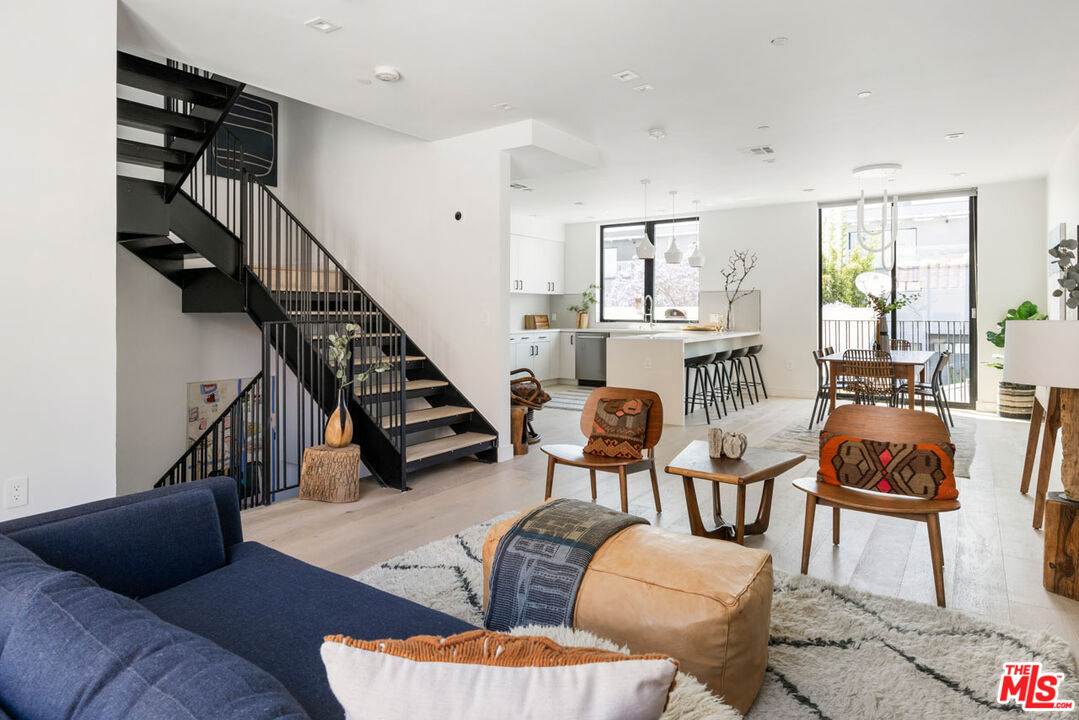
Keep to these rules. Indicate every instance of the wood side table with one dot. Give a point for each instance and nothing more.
(755, 465)
(1061, 571)
(331, 474)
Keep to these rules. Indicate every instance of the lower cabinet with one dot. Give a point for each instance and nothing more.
(537, 353)
(567, 355)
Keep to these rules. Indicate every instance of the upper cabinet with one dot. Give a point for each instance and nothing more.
(537, 259)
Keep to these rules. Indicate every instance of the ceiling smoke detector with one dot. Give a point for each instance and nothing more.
(780, 41)
(657, 133)
(387, 73)
(322, 25)
(643, 88)
(864, 94)
(504, 107)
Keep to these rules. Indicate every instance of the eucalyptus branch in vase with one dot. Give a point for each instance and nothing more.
(339, 353)
(739, 265)
(1064, 254)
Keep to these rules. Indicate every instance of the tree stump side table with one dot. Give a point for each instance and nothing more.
(1061, 572)
(331, 474)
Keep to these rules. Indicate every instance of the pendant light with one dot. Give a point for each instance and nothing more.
(889, 211)
(645, 249)
(673, 255)
(696, 258)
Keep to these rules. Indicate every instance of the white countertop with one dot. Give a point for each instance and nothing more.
(688, 336)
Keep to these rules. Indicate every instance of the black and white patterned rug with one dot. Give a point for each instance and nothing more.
(835, 652)
(568, 398)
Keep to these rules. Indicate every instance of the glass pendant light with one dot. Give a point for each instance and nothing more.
(673, 255)
(696, 258)
(645, 249)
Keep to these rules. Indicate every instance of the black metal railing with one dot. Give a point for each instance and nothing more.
(216, 181)
(232, 446)
(935, 335)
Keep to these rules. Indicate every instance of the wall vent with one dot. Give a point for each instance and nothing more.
(759, 150)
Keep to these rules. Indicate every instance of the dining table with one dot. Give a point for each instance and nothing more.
(904, 362)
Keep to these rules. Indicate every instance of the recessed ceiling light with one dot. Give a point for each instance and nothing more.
(387, 73)
(322, 25)
(625, 76)
(764, 127)
(865, 94)
(958, 174)
(657, 133)
(503, 106)
(769, 160)
(954, 136)
(808, 189)
(578, 203)
(780, 41)
(643, 88)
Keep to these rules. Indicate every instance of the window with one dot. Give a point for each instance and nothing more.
(625, 279)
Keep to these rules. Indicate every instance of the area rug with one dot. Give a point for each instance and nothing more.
(568, 398)
(835, 652)
(796, 438)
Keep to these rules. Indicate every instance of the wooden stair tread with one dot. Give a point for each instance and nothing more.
(422, 451)
(413, 417)
(391, 359)
(409, 386)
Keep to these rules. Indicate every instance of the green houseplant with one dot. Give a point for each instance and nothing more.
(588, 299)
(882, 308)
(1014, 400)
(339, 426)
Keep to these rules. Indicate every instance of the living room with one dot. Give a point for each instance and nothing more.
(759, 223)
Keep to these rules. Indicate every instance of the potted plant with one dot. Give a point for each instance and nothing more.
(882, 308)
(1068, 279)
(1014, 400)
(588, 299)
(339, 426)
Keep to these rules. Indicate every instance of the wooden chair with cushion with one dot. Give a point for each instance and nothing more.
(574, 455)
(894, 425)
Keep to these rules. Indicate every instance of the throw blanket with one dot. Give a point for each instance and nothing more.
(539, 562)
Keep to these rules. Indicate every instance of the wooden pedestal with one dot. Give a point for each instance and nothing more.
(1061, 571)
(331, 474)
(517, 430)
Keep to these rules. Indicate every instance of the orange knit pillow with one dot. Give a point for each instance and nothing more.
(924, 470)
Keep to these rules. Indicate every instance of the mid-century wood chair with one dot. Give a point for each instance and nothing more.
(574, 455)
(893, 425)
(869, 374)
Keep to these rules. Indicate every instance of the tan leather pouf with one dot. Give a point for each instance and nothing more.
(706, 603)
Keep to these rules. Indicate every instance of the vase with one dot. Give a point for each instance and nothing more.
(582, 320)
(882, 334)
(339, 426)
(1015, 400)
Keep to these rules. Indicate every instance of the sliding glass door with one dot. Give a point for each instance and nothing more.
(932, 268)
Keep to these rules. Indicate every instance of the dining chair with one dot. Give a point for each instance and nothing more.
(870, 375)
(900, 344)
(575, 456)
(934, 389)
(892, 425)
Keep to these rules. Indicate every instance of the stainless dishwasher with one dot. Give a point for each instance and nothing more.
(591, 357)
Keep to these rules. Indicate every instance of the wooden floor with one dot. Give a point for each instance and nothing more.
(993, 557)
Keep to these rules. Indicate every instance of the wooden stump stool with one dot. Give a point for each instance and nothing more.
(1061, 573)
(517, 430)
(331, 474)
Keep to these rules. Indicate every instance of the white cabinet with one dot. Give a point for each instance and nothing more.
(567, 355)
(537, 353)
(521, 352)
(537, 266)
(545, 359)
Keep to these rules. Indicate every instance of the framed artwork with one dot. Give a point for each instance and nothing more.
(253, 121)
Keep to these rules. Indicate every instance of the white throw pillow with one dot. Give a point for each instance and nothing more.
(480, 675)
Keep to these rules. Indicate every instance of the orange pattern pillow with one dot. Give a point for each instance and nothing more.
(619, 428)
(924, 470)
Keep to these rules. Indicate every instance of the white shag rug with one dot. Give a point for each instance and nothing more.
(835, 652)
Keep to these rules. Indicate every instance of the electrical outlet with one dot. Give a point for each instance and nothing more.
(16, 491)
(790, 365)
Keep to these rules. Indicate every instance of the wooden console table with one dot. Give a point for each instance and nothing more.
(331, 474)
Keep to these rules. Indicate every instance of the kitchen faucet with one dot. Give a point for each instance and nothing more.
(649, 311)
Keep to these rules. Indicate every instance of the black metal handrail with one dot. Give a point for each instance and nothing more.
(232, 445)
(221, 192)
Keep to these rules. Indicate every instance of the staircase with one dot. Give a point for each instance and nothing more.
(190, 207)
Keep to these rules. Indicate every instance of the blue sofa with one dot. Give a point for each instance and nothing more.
(152, 606)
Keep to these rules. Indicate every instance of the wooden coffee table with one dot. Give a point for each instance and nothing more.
(755, 465)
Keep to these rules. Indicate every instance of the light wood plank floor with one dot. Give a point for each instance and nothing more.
(993, 557)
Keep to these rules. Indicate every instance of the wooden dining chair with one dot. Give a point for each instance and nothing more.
(886, 424)
(574, 455)
(900, 344)
(869, 374)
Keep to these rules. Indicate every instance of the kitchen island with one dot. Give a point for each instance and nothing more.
(655, 362)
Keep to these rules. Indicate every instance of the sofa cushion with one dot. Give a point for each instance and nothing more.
(80, 651)
(275, 611)
(223, 489)
(21, 572)
(135, 550)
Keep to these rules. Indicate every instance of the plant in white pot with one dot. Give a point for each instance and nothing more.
(1014, 400)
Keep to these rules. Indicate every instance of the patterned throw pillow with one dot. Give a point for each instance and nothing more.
(619, 428)
(481, 675)
(919, 470)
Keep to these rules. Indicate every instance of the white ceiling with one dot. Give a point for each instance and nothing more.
(1004, 72)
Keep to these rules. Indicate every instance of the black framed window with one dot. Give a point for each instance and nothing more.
(626, 280)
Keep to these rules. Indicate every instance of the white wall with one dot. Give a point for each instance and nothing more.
(785, 240)
(1063, 202)
(384, 204)
(159, 351)
(1012, 263)
(58, 231)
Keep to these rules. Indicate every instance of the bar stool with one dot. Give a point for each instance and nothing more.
(755, 372)
(738, 375)
(702, 385)
(721, 380)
